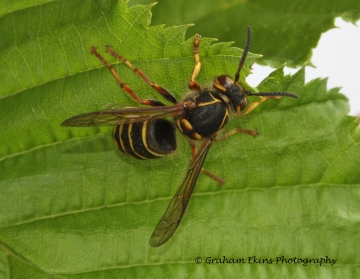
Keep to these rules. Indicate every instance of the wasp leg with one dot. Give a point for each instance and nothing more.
(193, 84)
(219, 180)
(124, 86)
(253, 105)
(166, 94)
(237, 131)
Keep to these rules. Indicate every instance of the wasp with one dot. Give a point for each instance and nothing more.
(149, 132)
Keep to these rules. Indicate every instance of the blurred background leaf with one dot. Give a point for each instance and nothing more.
(284, 31)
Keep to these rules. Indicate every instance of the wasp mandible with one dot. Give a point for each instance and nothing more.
(149, 132)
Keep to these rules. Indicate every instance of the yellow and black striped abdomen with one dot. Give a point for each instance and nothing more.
(150, 139)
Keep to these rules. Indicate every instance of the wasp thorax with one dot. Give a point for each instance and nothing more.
(232, 90)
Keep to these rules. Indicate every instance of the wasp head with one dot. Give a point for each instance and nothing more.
(233, 91)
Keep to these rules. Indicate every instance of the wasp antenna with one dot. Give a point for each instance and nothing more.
(288, 94)
(246, 50)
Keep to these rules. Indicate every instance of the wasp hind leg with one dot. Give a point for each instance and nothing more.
(167, 95)
(237, 131)
(219, 180)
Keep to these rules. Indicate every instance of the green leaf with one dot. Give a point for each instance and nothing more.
(72, 206)
(284, 31)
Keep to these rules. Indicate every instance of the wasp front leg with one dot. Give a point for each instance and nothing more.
(193, 84)
(253, 105)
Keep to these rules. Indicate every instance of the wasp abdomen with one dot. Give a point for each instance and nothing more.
(150, 139)
(209, 116)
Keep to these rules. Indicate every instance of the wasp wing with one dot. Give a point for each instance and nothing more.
(114, 117)
(176, 209)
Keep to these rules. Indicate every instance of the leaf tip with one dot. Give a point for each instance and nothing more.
(153, 4)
